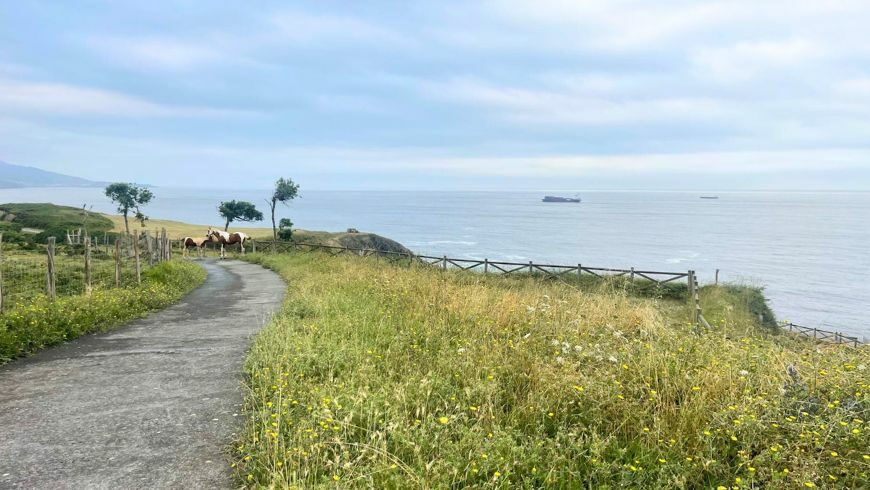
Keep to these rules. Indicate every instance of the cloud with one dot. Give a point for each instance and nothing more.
(298, 27)
(582, 104)
(155, 52)
(63, 99)
(743, 61)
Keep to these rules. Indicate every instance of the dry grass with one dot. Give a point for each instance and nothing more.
(177, 229)
(377, 376)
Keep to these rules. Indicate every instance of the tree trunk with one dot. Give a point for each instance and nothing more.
(274, 228)
(227, 226)
(126, 224)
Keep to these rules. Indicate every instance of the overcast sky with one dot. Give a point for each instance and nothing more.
(543, 94)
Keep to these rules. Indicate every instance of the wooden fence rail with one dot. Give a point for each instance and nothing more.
(821, 335)
(550, 270)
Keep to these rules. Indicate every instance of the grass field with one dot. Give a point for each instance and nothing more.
(376, 376)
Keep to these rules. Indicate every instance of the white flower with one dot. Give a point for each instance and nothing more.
(612, 359)
(744, 372)
(560, 360)
(554, 343)
(861, 367)
(527, 335)
(578, 347)
(530, 309)
(461, 350)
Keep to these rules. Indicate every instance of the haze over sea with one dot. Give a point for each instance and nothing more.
(808, 249)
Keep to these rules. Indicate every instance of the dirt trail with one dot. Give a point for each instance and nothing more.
(150, 405)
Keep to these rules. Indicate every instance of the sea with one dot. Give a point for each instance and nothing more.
(810, 251)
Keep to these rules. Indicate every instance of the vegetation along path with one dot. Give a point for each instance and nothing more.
(151, 405)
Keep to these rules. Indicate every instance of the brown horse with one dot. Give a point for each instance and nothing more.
(189, 242)
(226, 238)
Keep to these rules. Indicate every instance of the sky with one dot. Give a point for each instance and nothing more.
(488, 95)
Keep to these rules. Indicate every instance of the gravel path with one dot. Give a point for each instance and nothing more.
(150, 405)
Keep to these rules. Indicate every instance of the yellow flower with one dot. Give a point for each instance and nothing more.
(809, 484)
(834, 454)
(444, 420)
(336, 477)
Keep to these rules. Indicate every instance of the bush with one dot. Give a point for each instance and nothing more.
(285, 229)
(39, 323)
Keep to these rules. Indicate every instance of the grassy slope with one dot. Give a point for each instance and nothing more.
(52, 219)
(39, 323)
(386, 377)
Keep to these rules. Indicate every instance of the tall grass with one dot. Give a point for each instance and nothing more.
(376, 376)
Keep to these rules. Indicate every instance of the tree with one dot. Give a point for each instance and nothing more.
(285, 191)
(239, 211)
(285, 229)
(129, 197)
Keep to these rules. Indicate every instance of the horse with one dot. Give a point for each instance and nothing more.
(226, 238)
(189, 242)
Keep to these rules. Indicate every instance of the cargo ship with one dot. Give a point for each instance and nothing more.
(560, 199)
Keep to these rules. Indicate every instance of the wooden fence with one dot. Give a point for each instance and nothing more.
(64, 270)
(551, 271)
(821, 335)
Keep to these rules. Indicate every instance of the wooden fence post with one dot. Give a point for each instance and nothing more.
(51, 273)
(485, 266)
(150, 247)
(632, 275)
(88, 284)
(117, 263)
(690, 277)
(444, 264)
(1, 271)
(253, 246)
(136, 256)
(531, 270)
(579, 270)
(717, 277)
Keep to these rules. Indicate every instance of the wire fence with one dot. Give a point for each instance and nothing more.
(54, 270)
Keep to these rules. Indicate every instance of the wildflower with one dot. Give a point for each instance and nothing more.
(461, 350)
(834, 454)
(497, 474)
(443, 420)
(744, 372)
(662, 461)
(696, 388)
(809, 484)
(336, 477)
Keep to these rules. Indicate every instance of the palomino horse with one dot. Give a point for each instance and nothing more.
(226, 238)
(189, 242)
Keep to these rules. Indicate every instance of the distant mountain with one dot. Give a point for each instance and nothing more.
(13, 176)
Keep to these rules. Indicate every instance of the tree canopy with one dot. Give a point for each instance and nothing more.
(129, 197)
(285, 191)
(239, 211)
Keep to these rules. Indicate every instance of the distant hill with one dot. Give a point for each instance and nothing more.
(13, 176)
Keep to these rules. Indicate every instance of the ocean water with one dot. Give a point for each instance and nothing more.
(809, 250)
